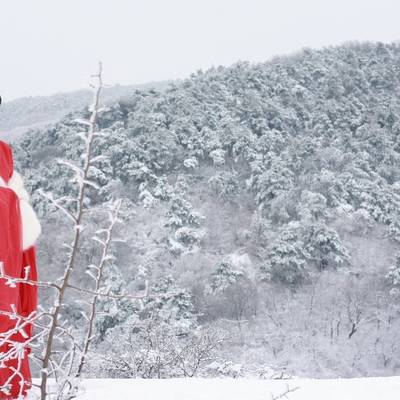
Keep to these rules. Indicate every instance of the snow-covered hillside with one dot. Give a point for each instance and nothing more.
(20, 115)
(254, 193)
(240, 389)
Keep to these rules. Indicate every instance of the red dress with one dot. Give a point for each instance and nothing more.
(22, 295)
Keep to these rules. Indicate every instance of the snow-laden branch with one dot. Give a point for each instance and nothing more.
(49, 196)
(81, 177)
(12, 281)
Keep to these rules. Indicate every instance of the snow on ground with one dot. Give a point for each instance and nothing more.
(240, 389)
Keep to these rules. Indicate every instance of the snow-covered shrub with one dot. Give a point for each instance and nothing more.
(189, 236)
(224, 184)
(218, 156)
(145, 349)
(225, 369)
(148, 200)
(191, 163)
(181, 213)
(163, 190)
(175, 247)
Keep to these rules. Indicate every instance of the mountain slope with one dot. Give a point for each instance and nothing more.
(17, 116)
(257, 189)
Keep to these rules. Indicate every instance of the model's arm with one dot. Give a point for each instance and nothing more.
(10, 254)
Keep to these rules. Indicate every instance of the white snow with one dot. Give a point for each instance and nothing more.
(240, 389)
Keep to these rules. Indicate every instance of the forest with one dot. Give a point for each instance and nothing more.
(261, 203)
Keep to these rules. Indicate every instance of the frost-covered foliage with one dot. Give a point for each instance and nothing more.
(113, 311)
(300, 246)
(171, 305)
(286, 260)
(145, 349)
(224, 276)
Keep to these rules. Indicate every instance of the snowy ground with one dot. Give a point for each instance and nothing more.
(241, 389)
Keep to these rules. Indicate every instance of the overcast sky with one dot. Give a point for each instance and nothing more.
(49, 46)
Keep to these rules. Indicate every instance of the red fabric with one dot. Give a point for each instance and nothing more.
(14, 259)
(6, 161)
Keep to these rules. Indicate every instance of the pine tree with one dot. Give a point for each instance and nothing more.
(170, 305)
(224, 276)
(325, 247)
(286, 259)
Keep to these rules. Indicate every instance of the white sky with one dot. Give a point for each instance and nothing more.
(48, 46)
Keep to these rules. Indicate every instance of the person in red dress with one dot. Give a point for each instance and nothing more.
(19, 231)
